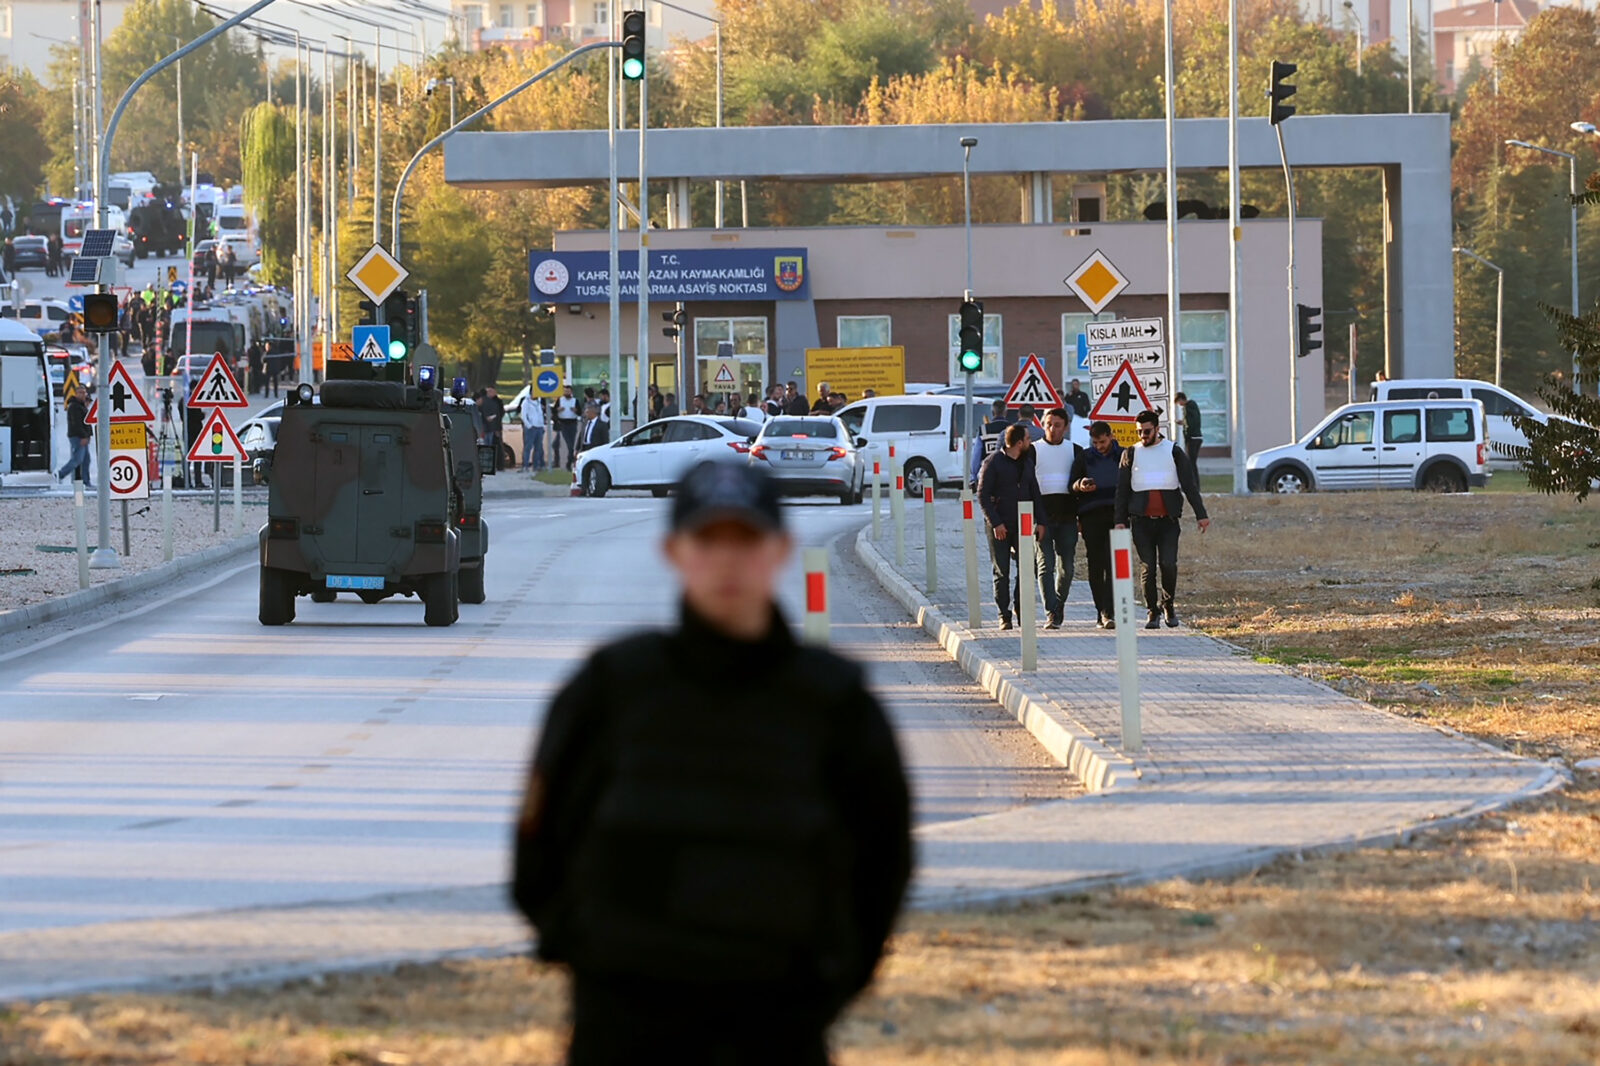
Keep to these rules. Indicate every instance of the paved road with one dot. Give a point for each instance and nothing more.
(158, 767)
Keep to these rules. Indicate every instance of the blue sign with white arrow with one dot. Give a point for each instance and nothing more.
(1083, 354)
(75, 304)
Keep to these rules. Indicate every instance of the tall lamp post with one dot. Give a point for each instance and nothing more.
(1355, 16)
(1499, 303)
(1572, 187)
(967, 145)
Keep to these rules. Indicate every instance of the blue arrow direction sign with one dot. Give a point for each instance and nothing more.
(549, 381)
(75, 303)
(1083, 354)
(371, 343)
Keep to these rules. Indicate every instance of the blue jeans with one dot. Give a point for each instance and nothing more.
(533, 446)
(1058, 550)
(78, 464)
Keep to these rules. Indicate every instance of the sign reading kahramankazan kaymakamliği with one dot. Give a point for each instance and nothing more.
(675, 274)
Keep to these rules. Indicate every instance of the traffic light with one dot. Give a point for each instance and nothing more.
(100, 312)
(677, 318)
(1279, 92)
(397, 311)
(369, 313)
(633, 45)
(1309, 330)
(971, 336)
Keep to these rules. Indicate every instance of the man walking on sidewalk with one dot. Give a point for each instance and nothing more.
(1152, 479)
(1192, 436)
(1006, 480)
(1054, 457)
(1094, 483)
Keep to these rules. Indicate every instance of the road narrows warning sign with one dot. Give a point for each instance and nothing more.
(1032, 386)
(217, 387)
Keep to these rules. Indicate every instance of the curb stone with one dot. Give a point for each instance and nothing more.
(111, 591)
(1100, 767)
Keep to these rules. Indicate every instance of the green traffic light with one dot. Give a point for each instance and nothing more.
(633, 69)
(971, 362)
(397, 349)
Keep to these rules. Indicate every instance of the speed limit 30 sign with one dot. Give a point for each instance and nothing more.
(130, 459)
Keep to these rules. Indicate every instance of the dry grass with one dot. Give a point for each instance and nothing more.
(1479, 944)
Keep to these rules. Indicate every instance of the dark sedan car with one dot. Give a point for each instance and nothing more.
(31, 250)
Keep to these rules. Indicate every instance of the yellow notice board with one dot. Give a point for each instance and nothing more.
(852, 371)
(1125, 432)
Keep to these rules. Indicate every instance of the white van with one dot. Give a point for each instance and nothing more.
(1431, 445)
(927, 432)
(1498, 405)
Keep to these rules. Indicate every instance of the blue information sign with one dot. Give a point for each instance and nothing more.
(75, 303)
(1083, 354)
(686, 274)
(371, 343)
(549, 381)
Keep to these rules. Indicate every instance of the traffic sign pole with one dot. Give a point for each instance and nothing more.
(1127, 637)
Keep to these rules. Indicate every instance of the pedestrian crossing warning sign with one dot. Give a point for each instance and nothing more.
(217, 387)
(1032, 386)
(725, 377)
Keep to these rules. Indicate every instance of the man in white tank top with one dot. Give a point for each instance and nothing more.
(1058, 547)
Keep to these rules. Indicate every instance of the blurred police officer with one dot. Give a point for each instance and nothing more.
(719, 875)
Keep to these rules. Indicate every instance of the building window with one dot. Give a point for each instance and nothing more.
(535, 13)
(472, 17)
(1072, 324)
(602, 14)
(505, 16)
(863, 331)
(992, 351)
(1203, 352)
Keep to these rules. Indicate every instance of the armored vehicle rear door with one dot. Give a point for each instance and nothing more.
(337, 489)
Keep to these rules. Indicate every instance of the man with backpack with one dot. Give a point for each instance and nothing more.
(719, 877)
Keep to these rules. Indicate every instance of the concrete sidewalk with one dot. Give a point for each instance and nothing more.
(1241, 761)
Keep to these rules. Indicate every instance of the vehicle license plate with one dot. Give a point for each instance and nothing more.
(794, 456)
(351, 581)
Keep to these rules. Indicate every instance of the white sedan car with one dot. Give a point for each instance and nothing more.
(657, 455)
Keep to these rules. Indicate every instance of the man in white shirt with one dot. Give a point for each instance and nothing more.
(753, 411)
(532, 416)
(1054, 455)
(566, 426)
(1154, 477)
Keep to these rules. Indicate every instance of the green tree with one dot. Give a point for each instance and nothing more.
(267, 151)
(23, 149)
(1563, 453)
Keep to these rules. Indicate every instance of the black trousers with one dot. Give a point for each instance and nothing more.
(1007, 589)
(635, 1022)
(1191, 447)
(1096, 528)
(1156, 541)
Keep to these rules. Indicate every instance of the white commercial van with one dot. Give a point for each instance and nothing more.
(927, 432)
(1432, 445)
(1498, 405)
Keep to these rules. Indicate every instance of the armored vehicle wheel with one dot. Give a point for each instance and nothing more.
(277, 597)
(470, 583)
(323, 595)
(371, 596)
(439, 599)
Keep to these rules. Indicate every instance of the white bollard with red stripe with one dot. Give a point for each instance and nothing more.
(1127, 637)
(929, 548)
(876, 475)
(897, 507)
(1027, 582)
(969, 543)
(814, 627)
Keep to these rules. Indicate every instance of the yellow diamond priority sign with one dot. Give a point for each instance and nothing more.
(1097, 281)
(377, 274)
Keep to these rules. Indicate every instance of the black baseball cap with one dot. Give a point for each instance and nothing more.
(720, 492)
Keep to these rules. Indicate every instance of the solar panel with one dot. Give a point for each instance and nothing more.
(85, 271)
(98, 243)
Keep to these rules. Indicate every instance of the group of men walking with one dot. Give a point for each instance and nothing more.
(1085, 493)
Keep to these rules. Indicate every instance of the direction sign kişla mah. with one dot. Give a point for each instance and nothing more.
(1128, 332)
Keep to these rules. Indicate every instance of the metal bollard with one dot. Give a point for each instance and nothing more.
(83, 535)
(814, 628)
(1026, 583)
(969, 537)
(929, 548)
(1127, 637)
(166, 512)
(897, 511)
(875, 476)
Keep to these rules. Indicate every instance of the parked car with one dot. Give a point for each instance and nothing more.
(1498, 404)
(1434, 445)
(657, 455)
(41, 316)
(32, 250)
(811, 456)
(927, 432)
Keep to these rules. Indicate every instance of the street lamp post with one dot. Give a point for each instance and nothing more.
(1499, 304)
(434, 83)
(1350, 6)
(967, 145)
(1572, 187)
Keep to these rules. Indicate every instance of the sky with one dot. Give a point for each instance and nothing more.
(409, 24)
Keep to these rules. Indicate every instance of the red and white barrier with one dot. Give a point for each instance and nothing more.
(1027, 584)
(1127, 637)
(969, 544)
(814, 627)
(929, 548)
(877, 474)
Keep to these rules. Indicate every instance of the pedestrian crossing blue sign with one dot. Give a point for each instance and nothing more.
(1083, 354)
(371, 343)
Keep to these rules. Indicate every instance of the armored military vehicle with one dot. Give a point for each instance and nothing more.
(472, 530)
(361, 498)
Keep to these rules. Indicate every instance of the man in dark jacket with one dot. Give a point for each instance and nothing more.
(794, 401)
(994, 429)
(1152, 479)
(78, 463)
(1006, 480)
(1094, 483)
(494, 414)
(594, 431)
(720, 878)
